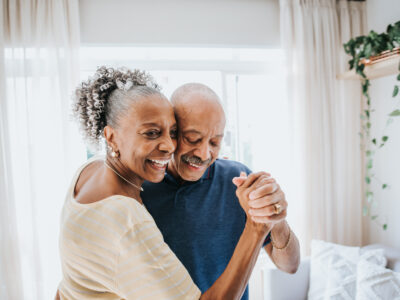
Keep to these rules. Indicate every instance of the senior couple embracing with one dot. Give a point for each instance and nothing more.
(160, 216)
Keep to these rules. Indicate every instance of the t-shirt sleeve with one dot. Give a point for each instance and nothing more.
(148, 269)
(88, 253)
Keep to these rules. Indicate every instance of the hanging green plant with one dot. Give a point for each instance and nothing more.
(364, 50)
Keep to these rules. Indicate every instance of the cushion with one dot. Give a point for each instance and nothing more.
(375, 282)
(333, 272)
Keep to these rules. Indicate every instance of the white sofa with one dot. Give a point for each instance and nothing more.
(279, 285)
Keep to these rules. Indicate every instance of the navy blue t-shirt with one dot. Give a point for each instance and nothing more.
(201, 221)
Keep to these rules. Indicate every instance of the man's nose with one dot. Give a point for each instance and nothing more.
(203, 151)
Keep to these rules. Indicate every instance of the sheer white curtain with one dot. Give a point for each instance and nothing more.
(10, 267)
(40, 148)
(324, 118)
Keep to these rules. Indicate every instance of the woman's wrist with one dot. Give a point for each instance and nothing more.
(259, 230)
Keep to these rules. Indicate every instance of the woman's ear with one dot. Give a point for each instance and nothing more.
(109, 135)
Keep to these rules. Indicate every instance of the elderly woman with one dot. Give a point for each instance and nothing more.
(110, 245)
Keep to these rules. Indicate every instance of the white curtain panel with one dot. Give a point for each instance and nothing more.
(40, 148)
(325, 122)
(10, 266)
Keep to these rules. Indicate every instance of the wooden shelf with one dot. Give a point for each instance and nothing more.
(381, 68)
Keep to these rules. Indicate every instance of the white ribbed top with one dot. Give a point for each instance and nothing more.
(112, 249)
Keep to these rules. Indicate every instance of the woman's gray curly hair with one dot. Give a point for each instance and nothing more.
(103, 99)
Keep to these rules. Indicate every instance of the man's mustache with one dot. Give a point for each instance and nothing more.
(196, 160)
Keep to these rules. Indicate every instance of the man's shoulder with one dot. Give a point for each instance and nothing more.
(231, 167)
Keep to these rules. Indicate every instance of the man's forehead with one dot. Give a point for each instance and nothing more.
(198, 108)
(199, 113)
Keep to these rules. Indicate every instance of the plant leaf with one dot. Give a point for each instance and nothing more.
(374, 217)
(374, 141)
(367, 50)
(395, 113)
(367, 180)
(369, 164)
(370, 196)
(395, 91)
(384, 226)
(385, 138)
(364, 88)
(398, 77)
(384, 186)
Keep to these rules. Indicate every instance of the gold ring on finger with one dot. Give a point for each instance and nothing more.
(277, 208)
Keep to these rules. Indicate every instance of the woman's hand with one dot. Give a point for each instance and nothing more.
(248, 185)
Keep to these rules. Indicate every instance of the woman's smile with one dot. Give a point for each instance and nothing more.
(159, 164)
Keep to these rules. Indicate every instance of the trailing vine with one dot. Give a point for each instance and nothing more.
(361, 49)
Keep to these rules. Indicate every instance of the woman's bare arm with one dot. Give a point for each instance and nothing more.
(233, 281)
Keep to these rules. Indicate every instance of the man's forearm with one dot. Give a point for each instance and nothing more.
(288, 258)
(233, 281)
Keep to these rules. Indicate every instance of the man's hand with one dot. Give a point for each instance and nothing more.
(263, 196)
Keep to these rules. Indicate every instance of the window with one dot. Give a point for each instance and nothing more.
(249, 81)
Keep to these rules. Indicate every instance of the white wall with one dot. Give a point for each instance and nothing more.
(387, 161)
(193, 22)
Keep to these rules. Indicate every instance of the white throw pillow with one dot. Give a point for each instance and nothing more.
(375, 282)
(333, 273)
(373, 256)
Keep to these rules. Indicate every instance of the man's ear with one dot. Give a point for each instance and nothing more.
(109, 135)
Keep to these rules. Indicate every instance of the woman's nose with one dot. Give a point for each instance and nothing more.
(167, 145)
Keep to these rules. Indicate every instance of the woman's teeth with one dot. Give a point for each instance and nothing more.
(159, 162)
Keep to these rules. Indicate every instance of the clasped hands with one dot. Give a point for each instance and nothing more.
(261, 198)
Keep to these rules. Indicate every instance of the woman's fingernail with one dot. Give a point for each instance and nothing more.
(251, 196)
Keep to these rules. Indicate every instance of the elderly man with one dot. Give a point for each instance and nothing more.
(196, 205)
